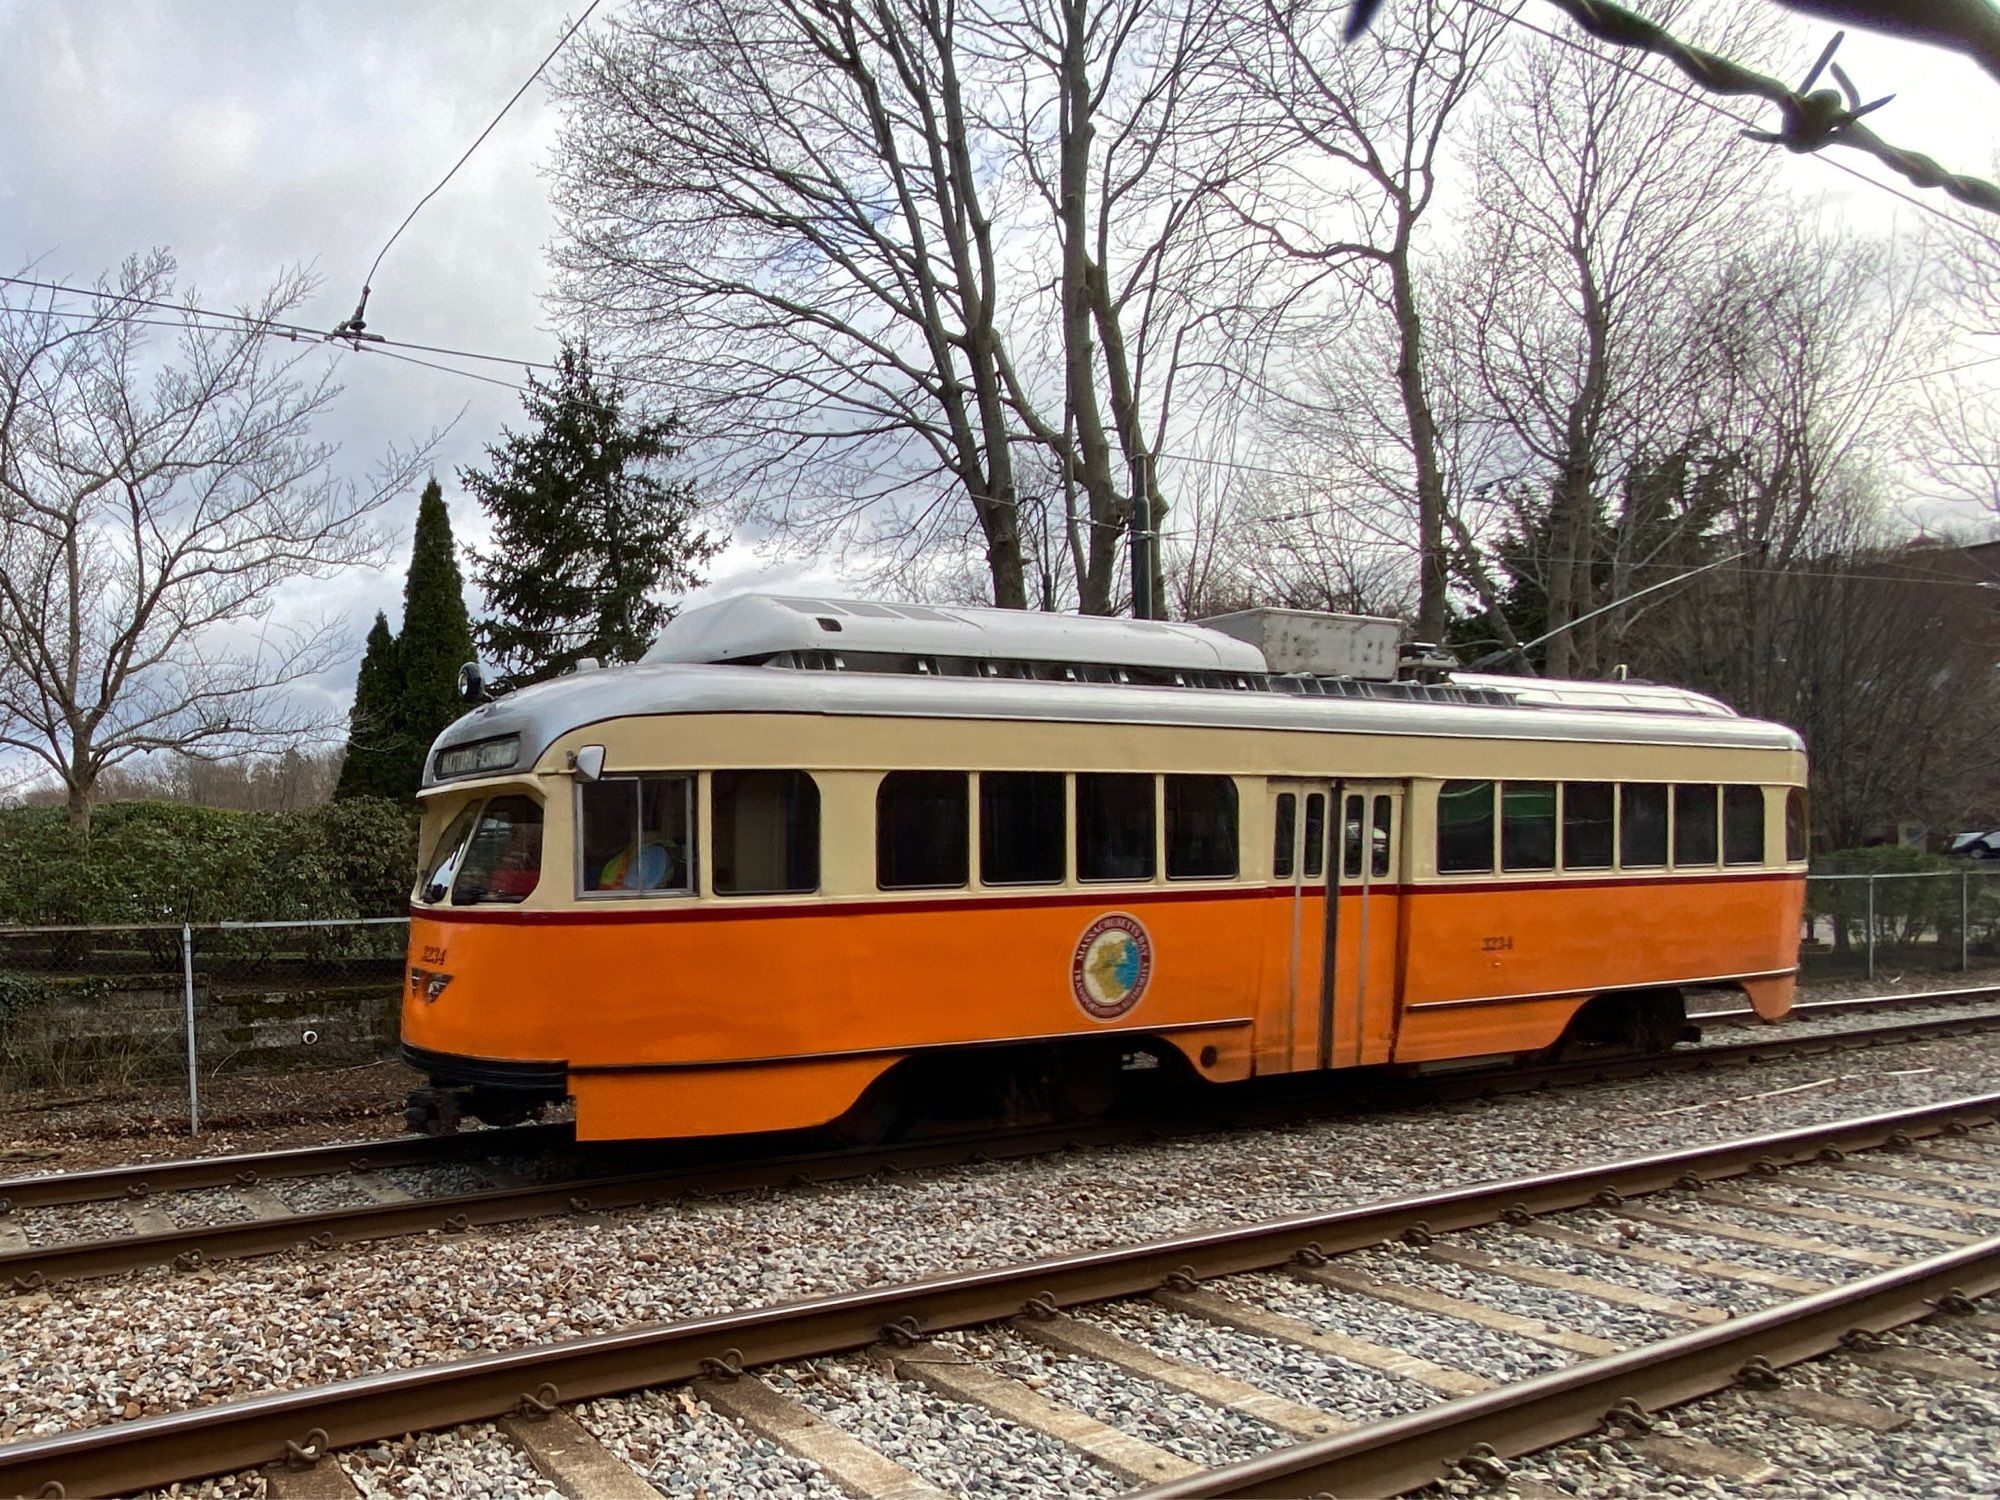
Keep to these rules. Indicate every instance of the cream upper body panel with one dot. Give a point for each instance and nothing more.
(561, 710)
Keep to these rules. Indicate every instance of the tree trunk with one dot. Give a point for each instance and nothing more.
(79, 817)
(1106, 511)
(1433, 578)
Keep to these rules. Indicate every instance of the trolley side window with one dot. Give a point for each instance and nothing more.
(444, 859)
(1743, 825)
(1114, 826)
(1201, 828)
(502, 863)
(1465, 828)
(1285, 832)
(1315, 835)
(1795, 824)
(920, 830)
(1352, 835)
(1588, 808)
(1694, 825)
(1023, 826)
(1642, 825)
(635, 836)
(1528, 825)
(766, 829)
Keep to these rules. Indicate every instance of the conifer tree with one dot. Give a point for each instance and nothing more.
(587, 533)
(373, 766)
(436, 640)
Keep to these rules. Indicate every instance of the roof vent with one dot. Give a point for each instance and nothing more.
(762, 627)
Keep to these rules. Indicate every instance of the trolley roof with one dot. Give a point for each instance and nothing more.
(1239, 694)
(756, 626)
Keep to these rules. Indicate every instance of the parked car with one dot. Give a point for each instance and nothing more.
(1974, 845)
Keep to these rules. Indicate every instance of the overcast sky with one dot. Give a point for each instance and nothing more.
(251, 136)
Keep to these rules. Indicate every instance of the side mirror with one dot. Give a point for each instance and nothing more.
(472, 687)
(588, 763)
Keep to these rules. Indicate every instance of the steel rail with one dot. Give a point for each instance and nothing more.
(1807, 1010)
(188, 1249)
(1403, 1453)
(150, 1452)
(142, 1179)
(243, 1169)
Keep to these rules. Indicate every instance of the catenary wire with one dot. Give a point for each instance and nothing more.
(491, 125)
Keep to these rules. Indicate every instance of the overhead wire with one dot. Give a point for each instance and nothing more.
(355, 323)
(351, 331)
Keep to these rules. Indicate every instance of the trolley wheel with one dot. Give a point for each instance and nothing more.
(432, 1112)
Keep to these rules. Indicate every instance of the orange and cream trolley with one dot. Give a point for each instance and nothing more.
(808, 848)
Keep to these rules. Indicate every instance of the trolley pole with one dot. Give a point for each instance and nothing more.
(187, 990)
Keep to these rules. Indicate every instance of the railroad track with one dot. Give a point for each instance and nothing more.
(145, 1237)
(1857, 1272)
(140, 1180)
(1827, 1010)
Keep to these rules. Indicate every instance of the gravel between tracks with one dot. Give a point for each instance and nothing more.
(151, 1341)
(1442, 1340)
(471, 1460)
(963, 1449)
(1946, 1448)
(1353, 1392)
(1185, 1425)
(689, 1451)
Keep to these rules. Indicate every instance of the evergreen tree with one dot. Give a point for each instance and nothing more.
(373, 765)
(436, 640)
(587, 533)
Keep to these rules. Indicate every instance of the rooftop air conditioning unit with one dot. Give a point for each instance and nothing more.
(1317, 644)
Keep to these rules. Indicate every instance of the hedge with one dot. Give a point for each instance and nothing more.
(149, 862)
(1917, 902)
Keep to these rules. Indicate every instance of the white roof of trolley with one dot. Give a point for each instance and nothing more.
(751, 627)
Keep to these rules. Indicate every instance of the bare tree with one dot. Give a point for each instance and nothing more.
(1355, 135)
(882, 251)
(1956, 436)
(1604, 203)
(778, 210)
(155, 496)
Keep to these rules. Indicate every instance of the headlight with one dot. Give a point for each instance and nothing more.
(482, 755)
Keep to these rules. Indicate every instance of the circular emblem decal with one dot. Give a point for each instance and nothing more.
(1114, 959)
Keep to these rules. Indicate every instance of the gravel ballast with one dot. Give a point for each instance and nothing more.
(152, 1341)
(471, 1460)
(1355, 1393)
(689, 1451)
(960, 1448)
(1185, 1425)
(1946, 1448)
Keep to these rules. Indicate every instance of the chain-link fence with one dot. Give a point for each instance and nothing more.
(1860, 925)
(90, 1007)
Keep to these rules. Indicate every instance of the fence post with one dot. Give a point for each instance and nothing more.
(1964, 920)
(187, 984)
(1871, 933)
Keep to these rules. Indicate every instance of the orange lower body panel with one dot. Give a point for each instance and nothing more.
(720, 1020)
